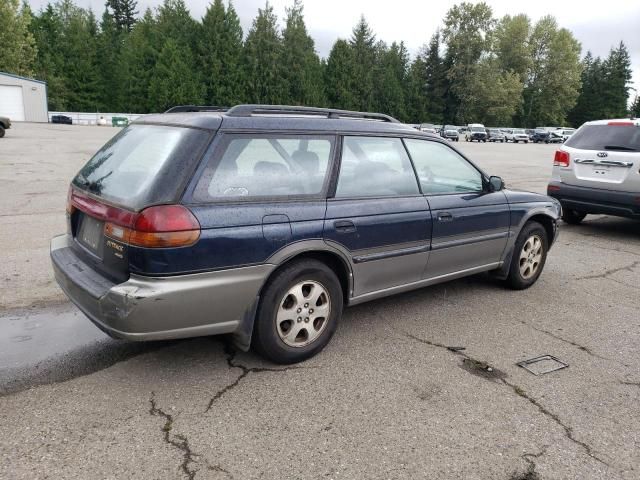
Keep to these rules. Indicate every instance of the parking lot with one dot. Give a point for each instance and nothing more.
(419, 385)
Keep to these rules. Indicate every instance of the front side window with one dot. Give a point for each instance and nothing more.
(441, 170)
(375, 167)
(266, 166)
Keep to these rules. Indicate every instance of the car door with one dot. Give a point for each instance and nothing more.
(470, 224)
(378, 215)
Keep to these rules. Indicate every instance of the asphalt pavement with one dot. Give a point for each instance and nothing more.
(420, 385)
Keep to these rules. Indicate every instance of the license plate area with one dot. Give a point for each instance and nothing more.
(600, 173)
(90, 234)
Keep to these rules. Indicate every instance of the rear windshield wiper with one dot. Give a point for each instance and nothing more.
(622, 148)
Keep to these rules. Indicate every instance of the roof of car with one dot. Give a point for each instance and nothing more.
(278, 120)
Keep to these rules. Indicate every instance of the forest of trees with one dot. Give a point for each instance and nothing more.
(475, 68)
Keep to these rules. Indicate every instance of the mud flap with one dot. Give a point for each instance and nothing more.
(242, 336)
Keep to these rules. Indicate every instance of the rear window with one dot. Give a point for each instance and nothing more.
(143, 165)
(606, 137)
(266, 166)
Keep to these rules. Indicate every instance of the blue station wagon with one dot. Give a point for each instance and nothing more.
(264, 222)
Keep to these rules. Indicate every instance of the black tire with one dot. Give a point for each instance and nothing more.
(572, 217)
(266, 339)
(1, 131)
(515, 279)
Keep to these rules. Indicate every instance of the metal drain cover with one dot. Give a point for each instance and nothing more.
(542, 364)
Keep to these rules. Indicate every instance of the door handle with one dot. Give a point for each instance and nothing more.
(445, 217)
(344, 226)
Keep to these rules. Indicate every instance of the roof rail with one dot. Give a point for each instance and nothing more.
(248, 110)
(196, 108)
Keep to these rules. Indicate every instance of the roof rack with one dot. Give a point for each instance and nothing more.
(249, 110)
(196, 108)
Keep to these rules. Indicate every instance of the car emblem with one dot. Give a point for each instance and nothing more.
(602, 154)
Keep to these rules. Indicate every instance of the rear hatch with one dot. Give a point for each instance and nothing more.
(144, 165)
(605, 156)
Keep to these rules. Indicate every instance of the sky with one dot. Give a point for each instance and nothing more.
(598, 26)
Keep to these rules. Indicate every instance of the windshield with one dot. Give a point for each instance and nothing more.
(127, 169)
(477, 129)
(518, 132)
(606, 137)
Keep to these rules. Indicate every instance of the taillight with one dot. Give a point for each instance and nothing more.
(561, 159)
(621, 124)
(70, 207)
(157, 227)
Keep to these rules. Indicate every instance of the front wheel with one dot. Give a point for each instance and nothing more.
(529, 256)
(298, 313)
(1, 131)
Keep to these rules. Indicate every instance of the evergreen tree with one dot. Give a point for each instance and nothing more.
(108, 46)
(589, 102)
(46, 28)
(390, 78)
(635, 107)
(363, 45)
(137, 64)
(617, 68)
(221, 55)
(17, 45)
(172, 82)
(301, 67)
(416, 93)
(124, 13)
(340, 77)
(436, 83)
(263, 54)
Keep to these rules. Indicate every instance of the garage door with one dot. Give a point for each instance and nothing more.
(11, 103)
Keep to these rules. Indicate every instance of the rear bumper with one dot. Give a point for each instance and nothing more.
(595, 200)
(158, 308)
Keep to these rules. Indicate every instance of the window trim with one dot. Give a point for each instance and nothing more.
(217, 148)
(483, 176)
(338, 162)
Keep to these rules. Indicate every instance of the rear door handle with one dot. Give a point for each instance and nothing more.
(344, 226)
(445, 217)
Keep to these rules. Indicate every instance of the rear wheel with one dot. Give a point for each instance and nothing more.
(529, 256)
(1, 131)
(572, 217)
(298, 313)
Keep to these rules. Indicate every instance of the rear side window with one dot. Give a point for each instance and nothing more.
(441, 170)
(259, 166)
(375, 167)
(143, 165)
(606, 137)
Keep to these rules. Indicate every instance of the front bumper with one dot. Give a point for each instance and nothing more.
(158, 308)
(596, 200)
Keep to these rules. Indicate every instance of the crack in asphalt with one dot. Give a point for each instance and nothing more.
(531, 473)
(501, 378)
(570, 342)
(607, 273)
(179, 441)
(231, 357)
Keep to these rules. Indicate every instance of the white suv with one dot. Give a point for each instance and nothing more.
(597, 170)
(516, 135)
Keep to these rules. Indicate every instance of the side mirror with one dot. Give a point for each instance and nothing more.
(495, 184)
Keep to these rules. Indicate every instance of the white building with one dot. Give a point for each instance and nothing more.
(23, 99)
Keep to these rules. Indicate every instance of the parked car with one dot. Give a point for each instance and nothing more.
(428, 128)
(450, 132)
(596, 171)
(190, 224)
(61, 119)
(565, 133)
(543, 136)
(556, 136)
(476, 131)
(5, 124)
(495, 135)
(516, 135)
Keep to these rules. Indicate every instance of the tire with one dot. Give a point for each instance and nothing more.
(529, 256)
(1, 131)
(279, 297)
(572, 217)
